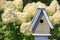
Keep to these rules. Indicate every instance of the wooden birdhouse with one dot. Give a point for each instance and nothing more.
(41, 24)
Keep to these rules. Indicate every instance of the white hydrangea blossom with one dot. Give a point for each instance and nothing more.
(25, 28)
(40, 4)
(28, 16)
(31, 8)
(20, 17)
(18, 4)
(23, 17)
(2, 2)
(58, 7)
(8, 4)
(8, 16)
(56, 17)
(52, 8)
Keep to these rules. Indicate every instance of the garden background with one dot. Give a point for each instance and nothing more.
(12, 31)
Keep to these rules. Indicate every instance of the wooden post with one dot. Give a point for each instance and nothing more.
(41, 38)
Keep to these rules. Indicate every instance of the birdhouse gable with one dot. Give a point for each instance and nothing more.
(38, 19)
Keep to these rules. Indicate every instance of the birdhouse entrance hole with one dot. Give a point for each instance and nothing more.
(41, 21)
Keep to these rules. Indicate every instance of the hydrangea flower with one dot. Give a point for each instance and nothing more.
(25, 28)
(8, 16)
(52, 8)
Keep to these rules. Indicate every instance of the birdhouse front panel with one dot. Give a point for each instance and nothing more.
(43, 27)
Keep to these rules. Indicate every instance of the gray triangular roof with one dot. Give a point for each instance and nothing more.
(37, 17)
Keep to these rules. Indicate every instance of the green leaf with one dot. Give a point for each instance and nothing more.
(59, 28)
(1, 24)
(6, 38)
(7, 33)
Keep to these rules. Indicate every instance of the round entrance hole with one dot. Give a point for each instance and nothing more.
(41, 21)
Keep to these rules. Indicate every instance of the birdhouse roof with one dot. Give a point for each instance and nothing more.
(37, 17)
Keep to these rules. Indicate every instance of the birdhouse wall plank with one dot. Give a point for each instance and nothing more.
(42, 28)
